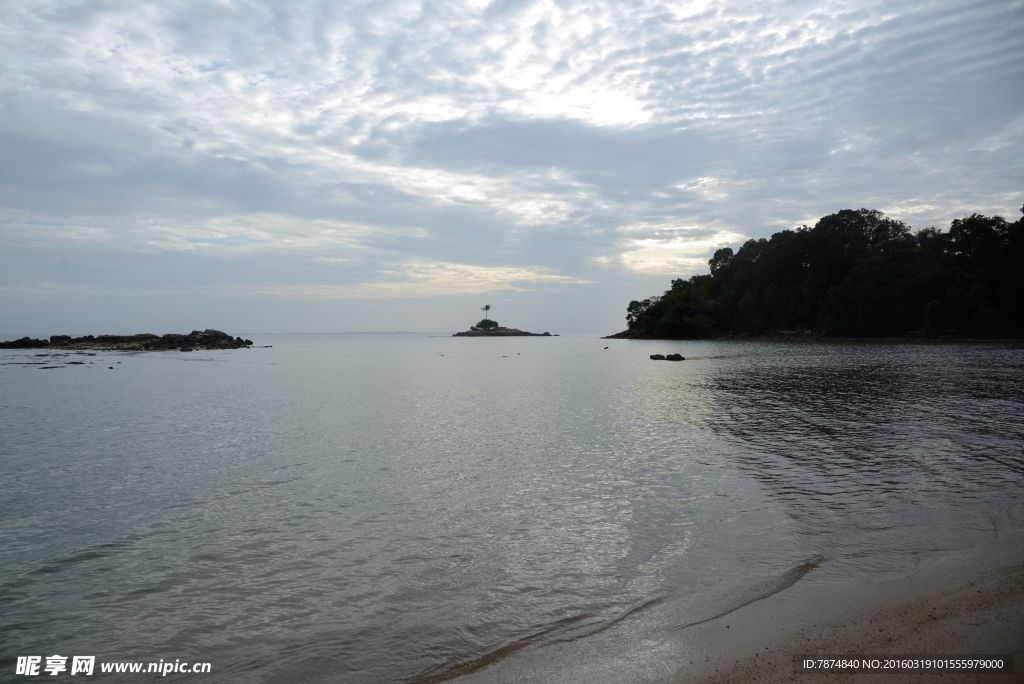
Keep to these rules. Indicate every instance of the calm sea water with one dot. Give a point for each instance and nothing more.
(397, 507)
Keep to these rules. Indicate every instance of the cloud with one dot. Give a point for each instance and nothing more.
(493, 135)
(669, 249)
(430, 280)
(407, 280)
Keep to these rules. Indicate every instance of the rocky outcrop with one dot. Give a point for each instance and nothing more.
(500, 331)
(630, 335)
(639, 334)
(24, 343)
(197, 339)
(667, 357)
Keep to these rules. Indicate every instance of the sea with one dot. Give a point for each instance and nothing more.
(410, 507)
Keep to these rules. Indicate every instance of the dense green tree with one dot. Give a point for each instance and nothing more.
(855, 273)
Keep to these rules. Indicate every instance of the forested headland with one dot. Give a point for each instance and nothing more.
(856, 273)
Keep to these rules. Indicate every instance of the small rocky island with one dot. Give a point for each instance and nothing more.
(205, 339)
(500, 331)
(489, 328)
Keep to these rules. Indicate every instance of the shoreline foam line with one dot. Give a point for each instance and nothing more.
(788, 579)
(449, 672)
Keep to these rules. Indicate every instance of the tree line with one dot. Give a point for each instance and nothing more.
(856, 273)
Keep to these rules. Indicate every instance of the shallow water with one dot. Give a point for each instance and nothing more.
(387, 507)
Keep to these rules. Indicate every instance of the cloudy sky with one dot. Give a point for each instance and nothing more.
(272, 166)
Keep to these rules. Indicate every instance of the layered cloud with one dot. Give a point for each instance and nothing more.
(529, 140)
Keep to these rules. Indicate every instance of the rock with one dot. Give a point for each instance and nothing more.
(658, 357)
(207, 339)
(185, 349)
(674, 357)
(25, 343)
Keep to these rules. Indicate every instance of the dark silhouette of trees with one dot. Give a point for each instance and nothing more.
(486, 323)
(856, 273)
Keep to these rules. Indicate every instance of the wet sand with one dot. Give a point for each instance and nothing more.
(964, 599)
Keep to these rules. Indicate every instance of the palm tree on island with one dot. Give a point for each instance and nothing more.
(486, 323)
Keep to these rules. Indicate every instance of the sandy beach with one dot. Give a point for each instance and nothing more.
(964, 598)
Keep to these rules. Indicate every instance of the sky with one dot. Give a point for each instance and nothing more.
(271, 166)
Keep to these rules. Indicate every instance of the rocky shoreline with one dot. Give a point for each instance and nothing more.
(773, 334)
(204, 339)
(816, 335)
(500, 332)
